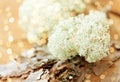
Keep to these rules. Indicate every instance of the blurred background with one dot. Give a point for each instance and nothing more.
(13, 39)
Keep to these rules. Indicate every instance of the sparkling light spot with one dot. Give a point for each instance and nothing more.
(10, 38)
(9, 51)
(11, 20)
(112, 50)
(102, 76)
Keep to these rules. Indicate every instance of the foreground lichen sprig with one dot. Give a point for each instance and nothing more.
(86, 35)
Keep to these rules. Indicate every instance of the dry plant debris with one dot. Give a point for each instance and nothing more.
(42, 68)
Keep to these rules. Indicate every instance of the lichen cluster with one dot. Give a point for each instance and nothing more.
(38, 17)
(85, 35)
(69, 32)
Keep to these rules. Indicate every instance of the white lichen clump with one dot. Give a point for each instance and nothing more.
(38, 17)
(86, 35)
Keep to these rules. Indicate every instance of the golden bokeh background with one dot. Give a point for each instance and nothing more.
(12, 37)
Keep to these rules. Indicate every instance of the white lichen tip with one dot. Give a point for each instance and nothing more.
(40, 16)
(86, 35)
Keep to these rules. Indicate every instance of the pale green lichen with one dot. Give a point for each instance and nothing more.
(86, 35)
(61, 42)
(38, 17)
